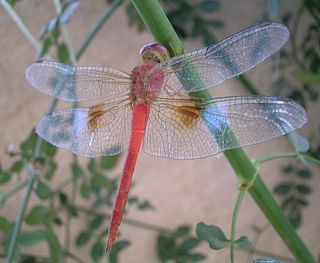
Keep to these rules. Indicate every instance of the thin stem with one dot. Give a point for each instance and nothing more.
(73, 256)
(234, 221)
(276, 156)
(31, 179)
(311, 159)
(73, 59)
(13, 191)
(20, 24)
(128, 221)
(68, 220)
(248, 85)
(293, 37)
(287, 155)
(97, 27)
(17, 225)
(162, 31)
(65, 34)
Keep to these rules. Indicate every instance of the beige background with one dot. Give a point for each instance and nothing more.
(181, 191)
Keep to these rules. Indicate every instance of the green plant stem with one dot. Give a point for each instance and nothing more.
(31, 179)
(248, 85)
(287, 155)
(73, 256)
(20, 24)
(109, 11)
(162, 31)
(65, 34)
(235, 214)
(13, 191)
(73, 59)
(17, 225)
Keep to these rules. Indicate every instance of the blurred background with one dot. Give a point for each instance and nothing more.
(67, 214)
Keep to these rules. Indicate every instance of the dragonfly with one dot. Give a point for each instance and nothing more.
(155, 105)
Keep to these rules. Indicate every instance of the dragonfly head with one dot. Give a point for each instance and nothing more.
(154, 53)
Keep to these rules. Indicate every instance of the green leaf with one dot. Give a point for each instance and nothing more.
(196, 257)
(209, 6)
(244, 243)
(32, 237)
(12, 2)
(43, 191)
(282, 188)
(97, 251)
(108, 162)
(72, 210)
(166, 247)
(63, 53)
(29, 143)
(145, 205)
(304, 173)
(4, 224)
(51, 168)
(55, 249)
(198, 26)
(117, 247)
(212, 234)
(76, 170)
(287, 169)
(307, 78)
(85, 190)
(38, 215)
(49, 149)
(188, 244)
(215, 23)
(63, 198)
(17, 166)
(5, 177)
(100, 181)
(46, 44)
(303, 189)
(91, 165)
(96, 222)
(83, 238)
(182, 231)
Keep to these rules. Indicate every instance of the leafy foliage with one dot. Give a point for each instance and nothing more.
(217, 239)
(294, 191)
(179, 246)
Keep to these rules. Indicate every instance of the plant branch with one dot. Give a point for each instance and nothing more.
(13, 191)
(128, 221)
(31, 179)
(65, 34)
(162, 31)
(109, 11)
(17, 225)
(25, 31)
(234, 221)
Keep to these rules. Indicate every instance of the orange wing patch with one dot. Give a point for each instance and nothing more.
(186, 115)
(95, 114)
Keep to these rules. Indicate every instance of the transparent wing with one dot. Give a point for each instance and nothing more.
(91, 132)
(224, 60)
(196, 128)
(71, 83)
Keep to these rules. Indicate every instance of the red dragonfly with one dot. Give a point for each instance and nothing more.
(152, 104)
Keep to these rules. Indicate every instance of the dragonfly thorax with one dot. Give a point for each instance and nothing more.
(147, 80)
